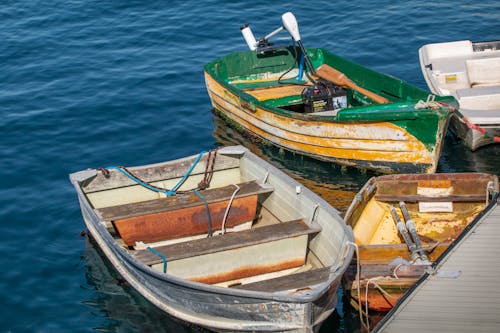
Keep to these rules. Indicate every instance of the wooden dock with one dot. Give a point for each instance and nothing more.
(463, 292)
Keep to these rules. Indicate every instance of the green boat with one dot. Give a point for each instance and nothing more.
(315, 103)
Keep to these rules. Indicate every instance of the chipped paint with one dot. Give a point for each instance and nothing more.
(375, 143)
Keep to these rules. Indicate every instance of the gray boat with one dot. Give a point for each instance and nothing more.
(222, 239)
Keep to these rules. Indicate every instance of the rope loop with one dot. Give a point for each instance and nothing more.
(430, 103)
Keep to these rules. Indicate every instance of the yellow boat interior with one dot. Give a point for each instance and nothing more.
(441, 206)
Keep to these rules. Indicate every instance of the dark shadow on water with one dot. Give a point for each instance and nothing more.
(334, 183)
(456, 157)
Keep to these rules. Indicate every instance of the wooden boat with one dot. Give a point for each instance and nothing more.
(441, 206)
(470, 72)
(365, 119)
(235, 245)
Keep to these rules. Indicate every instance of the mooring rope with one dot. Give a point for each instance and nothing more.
(358, 273)
(223, 227)
(167, 192)
(430, 103)
(209, 220)
(159, 254)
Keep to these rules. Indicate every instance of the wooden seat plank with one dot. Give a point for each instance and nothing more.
(289, 282)
(426, 198)
(181, 201)
(226, 242)
(276, 92)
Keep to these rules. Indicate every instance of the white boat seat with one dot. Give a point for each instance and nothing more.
(483, 70)
(481, 105)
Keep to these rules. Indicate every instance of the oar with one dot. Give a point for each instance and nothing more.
(402, 229)
(410, 225)
(329, 73)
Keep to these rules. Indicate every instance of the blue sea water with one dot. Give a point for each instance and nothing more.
(97, 83)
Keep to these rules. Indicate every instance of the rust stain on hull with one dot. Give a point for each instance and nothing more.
(185, 222)
(248, 271)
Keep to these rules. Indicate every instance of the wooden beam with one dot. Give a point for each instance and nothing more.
(226, 242)
(179, 201)
(291, 281)
(427, 198)
(183, 215)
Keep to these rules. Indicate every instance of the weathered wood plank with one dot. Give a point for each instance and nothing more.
(180, 201)
(186, 222)
(444, 198)
(460, 184)
(276, 92)
(392, 251)
(289, 282)
(368, 271)
(226, 242)
(184, 215)
(238, 264)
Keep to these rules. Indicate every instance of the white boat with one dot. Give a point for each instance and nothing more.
(469, 71)
(234, 245)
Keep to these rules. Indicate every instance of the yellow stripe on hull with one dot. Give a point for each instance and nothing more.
(375, 142)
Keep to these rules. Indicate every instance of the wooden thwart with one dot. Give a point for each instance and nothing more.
(184, 215)
(234, 256)
(276, 92)
(290, 282)
(444, 198)
(181, 201)
(227, 241)
(386, 253)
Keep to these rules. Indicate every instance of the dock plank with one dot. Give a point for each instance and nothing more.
(462, 295)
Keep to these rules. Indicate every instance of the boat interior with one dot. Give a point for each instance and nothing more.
(441, 208)
(469, 71)
(287, 93)
(239, 232)
(276, 80)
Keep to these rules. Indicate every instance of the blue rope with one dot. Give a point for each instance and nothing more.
(208, 212)
(183, 179)
(138, 181)
(168, 193)
(161, 256)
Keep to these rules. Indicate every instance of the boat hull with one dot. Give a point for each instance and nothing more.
(218, 308)
(389, 138)
(218, 311)
(474, 136)
(470, 72)
(376, 145)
